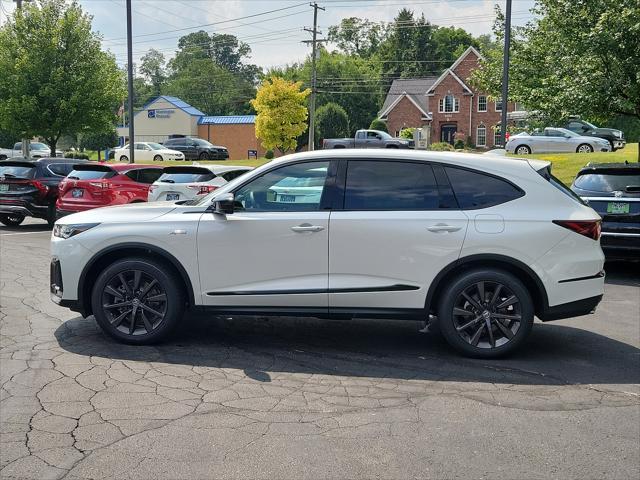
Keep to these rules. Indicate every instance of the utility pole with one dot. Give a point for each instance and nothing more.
(26, 145)
(505, 73)
(130, 82)
(314, 53)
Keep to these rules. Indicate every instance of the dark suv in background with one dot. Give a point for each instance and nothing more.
(197, 149)
(29, 188)
(581, 127)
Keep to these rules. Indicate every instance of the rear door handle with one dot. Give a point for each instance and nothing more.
(443, 227)
(307, 227)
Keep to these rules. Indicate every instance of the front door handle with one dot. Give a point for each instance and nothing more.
(443, 227)
(307, 227)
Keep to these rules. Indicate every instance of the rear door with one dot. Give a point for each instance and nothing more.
(397, 227)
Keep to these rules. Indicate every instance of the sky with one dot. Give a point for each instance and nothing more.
(275, 38)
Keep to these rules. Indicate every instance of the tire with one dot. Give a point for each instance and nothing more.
(158, 158)
(584, 148)
(522, 150)
(506, 334)
(203, 156)
(613, 149)
(124, 158)
(11, 220)
(157, 311)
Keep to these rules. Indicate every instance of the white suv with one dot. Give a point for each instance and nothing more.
(481, 243)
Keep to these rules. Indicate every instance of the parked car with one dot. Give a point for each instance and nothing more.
(92, 185)
(614, 136)
(29, 188)
(146, 152)
(6, 153)
(368, 139)
(555, 140)
(187, 182)
(197, 148)
(36, 150)
(484, 243)
(613, 190)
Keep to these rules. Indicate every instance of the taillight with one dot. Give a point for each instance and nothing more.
(203, 189)
(42, 188)
(99, 184)
(589, 228)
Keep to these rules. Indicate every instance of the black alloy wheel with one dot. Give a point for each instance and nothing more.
(204, 156)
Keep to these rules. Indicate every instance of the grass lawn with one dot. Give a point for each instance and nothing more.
(566, 165)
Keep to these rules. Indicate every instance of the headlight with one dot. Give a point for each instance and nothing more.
(67, 231)
(404, 142)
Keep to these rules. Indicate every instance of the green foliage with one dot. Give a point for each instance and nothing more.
(629, 125)
(469, 143)
(282, 114)
(407, 133)
(459, 144)
(269, 155)
(378, 124)
(154, 70)
(55, 78)
(331, 122)
(358, 37)
(8, 139)
(441, 147)
(99, 141)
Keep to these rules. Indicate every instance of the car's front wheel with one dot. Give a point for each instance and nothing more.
(11, 220)
(158, 158)
(124, 158)
(485, 313)
(204, 156)
(584, 148)
(137, 301)
(523, 150)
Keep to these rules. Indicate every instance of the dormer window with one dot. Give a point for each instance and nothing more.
(449, 104)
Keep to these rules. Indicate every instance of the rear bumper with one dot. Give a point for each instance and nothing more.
(20, 207)
(620, 245)
(571, 309)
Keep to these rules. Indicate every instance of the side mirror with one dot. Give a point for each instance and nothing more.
(223, 204)
(379, 137)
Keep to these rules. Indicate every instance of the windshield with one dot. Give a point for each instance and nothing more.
(609, 182)
(155, 146)
(591, 125)
(186, 177)
(90, 174)
(564, 131)
(17, 171)
(384, 135)
(202, 143)
(39, 146)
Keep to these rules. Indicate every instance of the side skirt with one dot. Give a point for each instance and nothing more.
(319, 312)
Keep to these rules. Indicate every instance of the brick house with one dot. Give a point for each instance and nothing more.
(448, 106)
(236, 132)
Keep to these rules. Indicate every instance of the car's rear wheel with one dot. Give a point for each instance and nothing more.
(523, 150)
(584, 148)
(137, 301)
(124, 158)
(158, 158)
(11, 220)
(204, 156)
(485, 313)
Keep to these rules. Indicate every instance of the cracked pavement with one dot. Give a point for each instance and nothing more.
(305, 398)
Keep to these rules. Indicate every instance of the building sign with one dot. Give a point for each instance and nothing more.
(160, 113)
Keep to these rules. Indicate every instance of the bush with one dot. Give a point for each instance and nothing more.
(441, 147)
(407, 133)
(77, 155)
(469, 143)
(378, 124)
(459, 144)
(332, 121)
(268, 154)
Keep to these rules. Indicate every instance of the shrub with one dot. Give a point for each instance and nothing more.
(441, 147)
(268, 154)
(78, 155)
(332, 121)
(459, 145)
(377, 124)
(407, 133)
(469, 143)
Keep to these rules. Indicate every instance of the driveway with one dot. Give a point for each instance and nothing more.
(304, 398)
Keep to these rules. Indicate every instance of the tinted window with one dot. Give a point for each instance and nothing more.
(390, 186)
(148, 175)
(60, 169)
(90, 174)
(477, 190)
(292, 188)
(186, 177)
(17, 171)
(608, 182)
(228, 176)
(545, 173)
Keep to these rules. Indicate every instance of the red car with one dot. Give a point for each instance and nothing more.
(94, 185)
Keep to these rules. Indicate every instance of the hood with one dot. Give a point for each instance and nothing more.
(133, 212)
(589, 138)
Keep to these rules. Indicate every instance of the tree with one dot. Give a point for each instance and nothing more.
(55, 78)
(378, 124)
(99, 141)
(153, 68)
(355, 36)
(282, 114)
(576, 57)
(331, 121)
(8, 139)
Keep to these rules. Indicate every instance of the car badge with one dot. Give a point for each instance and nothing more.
(617, 194)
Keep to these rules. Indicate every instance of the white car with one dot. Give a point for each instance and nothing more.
(187, 182)
(555, 140)
(481, 243)
(147, 151)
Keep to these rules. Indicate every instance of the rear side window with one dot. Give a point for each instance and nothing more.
(186, 177)
(90, 174)
(228, 176)
(477, 190)
(609, 182)
(384, 185)
(17, 171)
(557, 183)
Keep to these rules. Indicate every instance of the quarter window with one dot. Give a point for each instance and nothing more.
(383, 185)
(292, 188)
(481, 136)
(477, 190)
(482, 103)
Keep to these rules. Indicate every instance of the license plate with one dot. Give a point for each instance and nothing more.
(287, 198)
(4, 187)
(617, 207)
(77, 193)
(173, 196)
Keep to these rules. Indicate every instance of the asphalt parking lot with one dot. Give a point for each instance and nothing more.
(305, 398)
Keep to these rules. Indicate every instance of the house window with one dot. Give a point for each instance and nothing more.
(449, 104)
(497, 138)
(498, 105)
(481, 136)
(482, 103)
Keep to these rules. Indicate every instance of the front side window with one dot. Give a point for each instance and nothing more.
(390, 185)
(481, 136)
(477, 190)
(482, 103)
(292, 188)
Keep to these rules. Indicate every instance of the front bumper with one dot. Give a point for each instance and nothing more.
(619, 144)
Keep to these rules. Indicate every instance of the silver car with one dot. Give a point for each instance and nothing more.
(555, 140)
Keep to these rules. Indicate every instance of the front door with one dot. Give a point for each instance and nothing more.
(397, 231)
(448, 133)
(273, 250)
